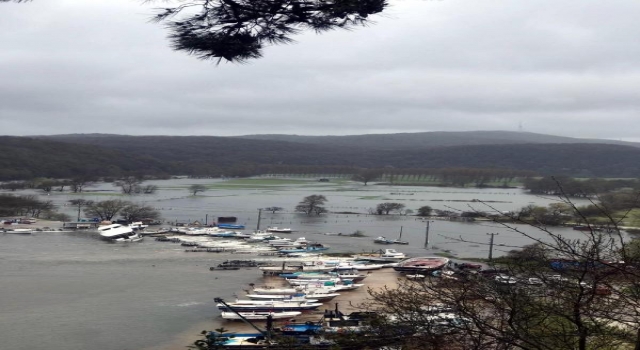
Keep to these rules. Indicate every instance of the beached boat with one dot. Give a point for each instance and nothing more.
(257, 305)
(421, 264)
(119, 233)
(258, 316)
(389, 255)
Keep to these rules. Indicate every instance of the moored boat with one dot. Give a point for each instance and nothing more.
(257, 315)
(421, 264)
(255, 305)
(279, 229)
(382, 240)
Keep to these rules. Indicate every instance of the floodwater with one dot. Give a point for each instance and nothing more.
(68, 291)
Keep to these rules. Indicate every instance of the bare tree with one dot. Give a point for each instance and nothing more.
(135, 212)
(273, 210)
(387, 207)
(105, 210)
(555, 294)
(367, 175)
(195, 188)
(129, 184)
(80, 203)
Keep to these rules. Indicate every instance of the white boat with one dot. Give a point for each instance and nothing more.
(279, 229)
(255, 305)
(364, 267)
(256, 315)
(119, 233)
(138, 226)
(23, 231)
(279, 291)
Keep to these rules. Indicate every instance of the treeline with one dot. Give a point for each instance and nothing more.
(564, 185)
(27, 206)
(118, 156)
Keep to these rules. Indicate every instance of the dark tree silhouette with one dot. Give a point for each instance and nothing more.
(237, 30)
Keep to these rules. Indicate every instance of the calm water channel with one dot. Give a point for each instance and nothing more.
(68, 291)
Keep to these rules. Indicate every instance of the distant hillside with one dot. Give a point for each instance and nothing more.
(204, 155)
(423, 140)
(24, 158)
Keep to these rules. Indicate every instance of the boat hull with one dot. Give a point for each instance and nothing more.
(421, 264)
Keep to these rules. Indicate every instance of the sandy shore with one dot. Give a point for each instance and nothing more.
(348, 301)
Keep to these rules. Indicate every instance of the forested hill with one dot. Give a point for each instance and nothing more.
(423, 140)
(188, 155)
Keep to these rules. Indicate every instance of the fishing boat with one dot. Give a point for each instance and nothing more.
(119, 233)
(259, 316)
(256, 305)
(421, 264)
(309, 296)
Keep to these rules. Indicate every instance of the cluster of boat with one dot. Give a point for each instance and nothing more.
(240, 242)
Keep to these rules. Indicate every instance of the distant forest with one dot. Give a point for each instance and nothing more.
(101, 155)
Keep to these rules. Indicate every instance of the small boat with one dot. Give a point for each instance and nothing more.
(422, 264)
(314, 247)
(277, 291)
(119, 233)
(23, 231)
(279, 229)
(231, 226)
(399, 240)
(365, 267)
(382, 240)
(256, 315)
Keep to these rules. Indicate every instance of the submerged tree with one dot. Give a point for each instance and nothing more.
(312, 205)
(367, 175)
(387, 207)
(195, 188)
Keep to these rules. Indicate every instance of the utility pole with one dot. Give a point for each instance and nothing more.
(426, 239)
(259, 216)
(491, 246)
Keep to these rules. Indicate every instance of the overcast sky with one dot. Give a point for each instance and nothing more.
(569, 68)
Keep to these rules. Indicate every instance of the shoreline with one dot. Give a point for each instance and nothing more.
(347, 302)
